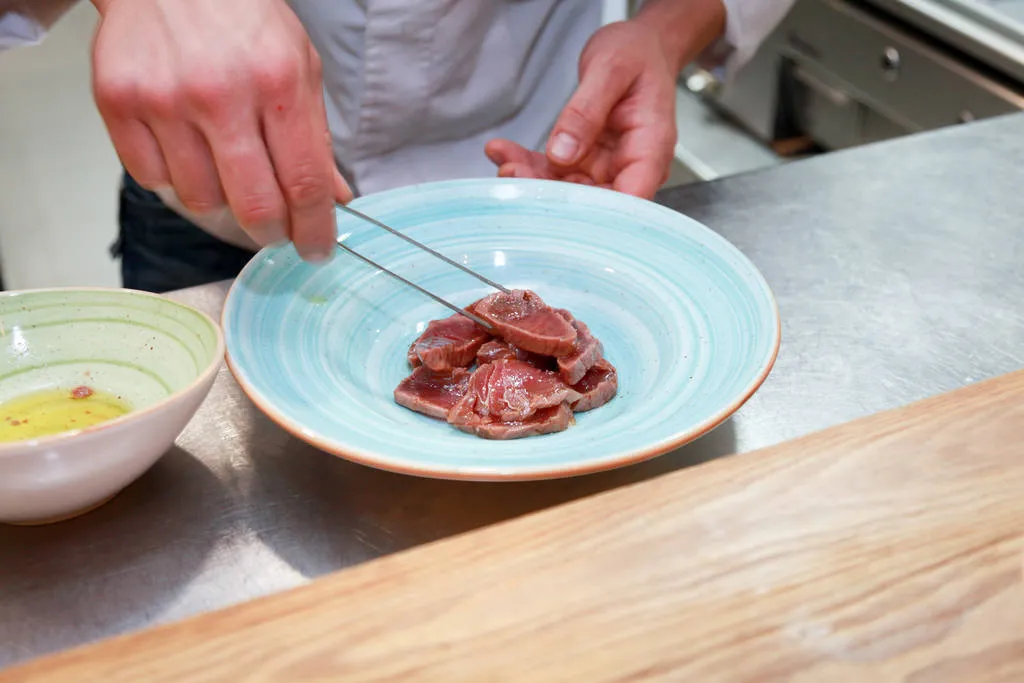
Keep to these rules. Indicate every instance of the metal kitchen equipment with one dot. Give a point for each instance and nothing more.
(841, 73)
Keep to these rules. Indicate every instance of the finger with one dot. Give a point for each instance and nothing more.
(139, 152)
(640, 180)
(249, 183)
(190, 164)
(305, 173)
(518, 170)
(645, 158)
(501, 152)
(342, 192)
(601, 163)
(118, 99)
(585, 116)
(579, 179)
(526, 171)
(533, 165)
(294, 125)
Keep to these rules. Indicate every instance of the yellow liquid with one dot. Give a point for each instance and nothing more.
(53, 411)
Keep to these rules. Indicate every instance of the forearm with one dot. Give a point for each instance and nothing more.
(685, 27)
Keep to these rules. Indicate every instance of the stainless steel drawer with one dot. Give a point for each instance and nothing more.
(824, 110)
(915, 85)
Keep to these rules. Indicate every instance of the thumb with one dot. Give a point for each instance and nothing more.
(586, 114)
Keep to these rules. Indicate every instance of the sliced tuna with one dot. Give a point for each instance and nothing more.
(448, 343)
(588, 351)
(497, 349)
(521, 318)
(433, 393)
(597, 387)
(544, 421)
(534, 369)
(510, 391)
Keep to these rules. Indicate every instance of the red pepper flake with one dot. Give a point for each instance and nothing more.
(81, 392)
(15, 423)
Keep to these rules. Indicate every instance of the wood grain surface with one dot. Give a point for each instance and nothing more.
(887, 549)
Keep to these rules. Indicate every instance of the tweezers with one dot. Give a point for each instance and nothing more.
(444, 302)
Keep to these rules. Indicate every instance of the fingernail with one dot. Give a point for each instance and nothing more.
(319, 255)
(564, 148)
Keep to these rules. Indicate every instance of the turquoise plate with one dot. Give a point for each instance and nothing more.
(688, 321)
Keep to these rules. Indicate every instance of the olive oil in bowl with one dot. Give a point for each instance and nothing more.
(53, 411)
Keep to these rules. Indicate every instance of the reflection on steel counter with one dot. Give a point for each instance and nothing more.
(885, 298)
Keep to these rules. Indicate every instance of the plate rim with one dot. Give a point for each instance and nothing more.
(620, 459)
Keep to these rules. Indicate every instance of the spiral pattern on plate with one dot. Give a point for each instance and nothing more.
(688, 321)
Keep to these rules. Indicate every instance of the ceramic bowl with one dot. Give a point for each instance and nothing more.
(158, 356)
(688, 320)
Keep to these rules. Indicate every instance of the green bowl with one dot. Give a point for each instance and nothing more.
(156, 356)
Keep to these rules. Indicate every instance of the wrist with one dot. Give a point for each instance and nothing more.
(684, 27)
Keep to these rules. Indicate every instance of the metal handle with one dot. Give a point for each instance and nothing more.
(891, 63)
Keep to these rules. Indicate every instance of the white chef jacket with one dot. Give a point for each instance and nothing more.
(414, 89)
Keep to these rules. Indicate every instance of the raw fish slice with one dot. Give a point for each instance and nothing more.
(433, 393)
(597, 387)
(588, 351)
(496, 350)
(521, 318)
(448, 343)
(510, 391)
(545, 421)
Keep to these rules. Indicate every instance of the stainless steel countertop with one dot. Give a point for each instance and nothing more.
(899, 270)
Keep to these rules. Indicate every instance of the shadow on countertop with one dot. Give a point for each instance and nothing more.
(55, 580)
(340, 514)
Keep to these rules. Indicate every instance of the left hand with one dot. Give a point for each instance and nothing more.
(618, 130)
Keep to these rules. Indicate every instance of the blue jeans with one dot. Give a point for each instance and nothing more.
(161, 251)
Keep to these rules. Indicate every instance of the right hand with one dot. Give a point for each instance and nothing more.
(222, 102)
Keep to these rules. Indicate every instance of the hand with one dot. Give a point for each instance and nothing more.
(222, 103)
(618, 130)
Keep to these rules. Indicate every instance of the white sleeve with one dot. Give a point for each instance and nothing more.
(747, 24)
(26, 22)
(17, 30)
